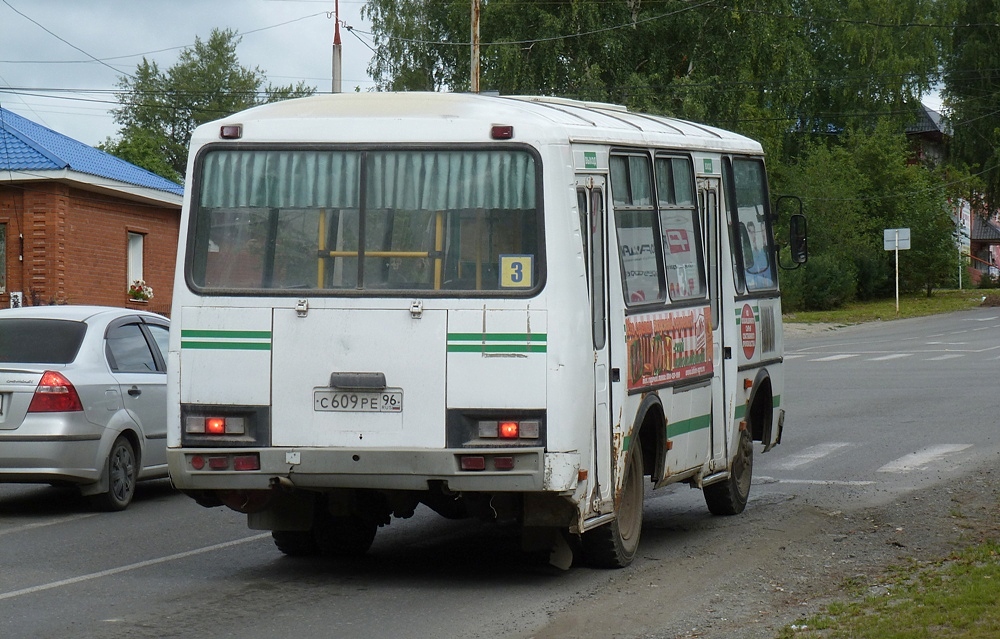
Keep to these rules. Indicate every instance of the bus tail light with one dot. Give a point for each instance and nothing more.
(473, 462)
(202, 425)
(509, 429)
(225, 462)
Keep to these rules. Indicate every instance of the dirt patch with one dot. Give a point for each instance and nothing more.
(778, 563)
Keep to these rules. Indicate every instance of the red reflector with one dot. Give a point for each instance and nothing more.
(470, 462)
(502, 132)
(231, 131)
(215, 425)
(54, 394)
(503, 463)
(246, 462)
(218, 463)
(197, 462)
(509, 430)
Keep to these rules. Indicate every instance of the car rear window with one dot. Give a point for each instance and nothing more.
(40, 341)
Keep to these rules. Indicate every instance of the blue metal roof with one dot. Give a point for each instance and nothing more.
(27, 146)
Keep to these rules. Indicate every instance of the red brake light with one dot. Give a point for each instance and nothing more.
(231, 131)
(215, 426)
(502, 132)
(509, 430)
(54, 394)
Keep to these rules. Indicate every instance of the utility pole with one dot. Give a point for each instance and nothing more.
(337, 62)
(475, 47)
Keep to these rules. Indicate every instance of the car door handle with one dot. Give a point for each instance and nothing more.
(134, 391)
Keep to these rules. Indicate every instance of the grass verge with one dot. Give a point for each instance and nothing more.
(910, 305)
(956, 598)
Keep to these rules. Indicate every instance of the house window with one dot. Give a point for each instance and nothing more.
(3, 258)
(135, 241)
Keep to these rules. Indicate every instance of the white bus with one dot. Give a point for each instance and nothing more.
(521, 309)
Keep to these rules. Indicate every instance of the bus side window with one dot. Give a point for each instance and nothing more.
(597, 284)
(680, 229)
(635, 220)
(749, 223)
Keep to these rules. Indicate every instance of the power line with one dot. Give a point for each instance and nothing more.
(61, 39)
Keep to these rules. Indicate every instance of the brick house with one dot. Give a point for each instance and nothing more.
(77, 225)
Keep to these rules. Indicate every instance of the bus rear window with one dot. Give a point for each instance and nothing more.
(366, 221)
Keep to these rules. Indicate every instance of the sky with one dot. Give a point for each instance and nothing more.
(61, 60)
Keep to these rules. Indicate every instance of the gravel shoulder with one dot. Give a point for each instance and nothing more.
(781, 561)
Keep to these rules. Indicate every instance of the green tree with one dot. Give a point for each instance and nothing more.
(159, 110)
(972, 92)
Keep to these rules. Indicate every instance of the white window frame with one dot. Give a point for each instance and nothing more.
(136, 243)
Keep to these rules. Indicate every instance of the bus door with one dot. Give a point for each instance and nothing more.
(708, 201)
(591, 192)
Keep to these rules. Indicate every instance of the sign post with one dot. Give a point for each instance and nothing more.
(896, 240)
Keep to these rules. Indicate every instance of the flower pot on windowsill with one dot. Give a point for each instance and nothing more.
(133, 300)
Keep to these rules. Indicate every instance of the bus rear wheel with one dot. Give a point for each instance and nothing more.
(614, 545)
(344, 537)
(296, 543)
(729, 497)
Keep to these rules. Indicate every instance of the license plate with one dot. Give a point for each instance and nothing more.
(386, 401)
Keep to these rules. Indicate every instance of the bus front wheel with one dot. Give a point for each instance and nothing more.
(614, 545)
(729, 497)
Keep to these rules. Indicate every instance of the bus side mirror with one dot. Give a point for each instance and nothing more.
(797, 242)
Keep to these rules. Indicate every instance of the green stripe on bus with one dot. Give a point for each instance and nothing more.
(496, 348)
(686, 426)
(741, 410)
(227, 346)
(496, 337)
(226, 334)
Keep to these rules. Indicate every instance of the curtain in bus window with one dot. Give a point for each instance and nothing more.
(260, 212)
(753, 224)
(286, 219)
(280, 179)
(451, 180)
(630, 180)
(472, 207)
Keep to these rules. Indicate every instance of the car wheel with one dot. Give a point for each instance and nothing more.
(122, 473)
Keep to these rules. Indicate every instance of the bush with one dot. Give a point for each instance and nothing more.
(989, 281)
(822, 284)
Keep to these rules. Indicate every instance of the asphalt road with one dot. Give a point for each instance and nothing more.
(874, 412)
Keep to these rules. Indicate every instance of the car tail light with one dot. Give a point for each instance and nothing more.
(55, 394)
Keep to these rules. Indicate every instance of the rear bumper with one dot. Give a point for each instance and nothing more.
(43, 459)
(533, 470)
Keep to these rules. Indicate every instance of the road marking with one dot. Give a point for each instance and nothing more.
(49, 522)
(886, 358)
(833, 358)
(813, 482)
(135, 566)
(919, 459)
(810, 454)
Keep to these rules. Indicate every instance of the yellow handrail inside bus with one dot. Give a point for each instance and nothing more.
(321, 261)
(438, 248)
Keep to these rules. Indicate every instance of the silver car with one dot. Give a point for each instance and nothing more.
(83, 398)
